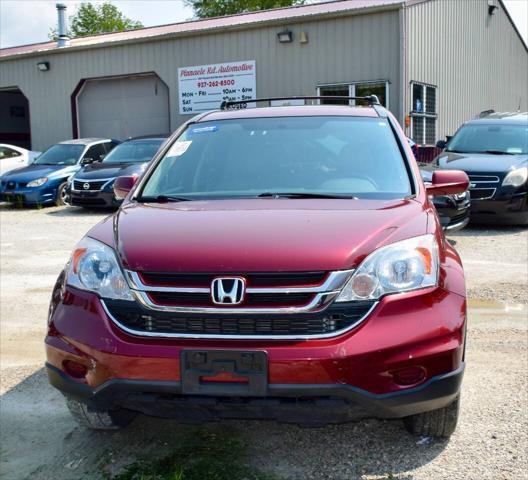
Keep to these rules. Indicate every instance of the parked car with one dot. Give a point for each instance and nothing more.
(93, 186)
(12, 157)
(453, 210)
(274, 262)
(44, 181)
(493, 151)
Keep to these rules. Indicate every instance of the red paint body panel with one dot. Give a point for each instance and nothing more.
(263, 235)
(401, 331)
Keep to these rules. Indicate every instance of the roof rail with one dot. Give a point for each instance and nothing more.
(227, 104)
(485, 113)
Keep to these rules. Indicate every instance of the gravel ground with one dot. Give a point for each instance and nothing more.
(39, 440)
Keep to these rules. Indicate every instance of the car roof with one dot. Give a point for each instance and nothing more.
(161, 136)
(291, 111)
(502, 117)
(86, 141)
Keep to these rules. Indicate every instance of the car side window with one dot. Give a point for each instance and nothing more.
(6, 152)
(96, 152)
(109, 146)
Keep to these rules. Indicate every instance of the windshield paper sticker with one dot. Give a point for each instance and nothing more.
(212, 128)
(179, 148)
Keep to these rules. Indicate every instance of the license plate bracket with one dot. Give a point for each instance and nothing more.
(247, 369)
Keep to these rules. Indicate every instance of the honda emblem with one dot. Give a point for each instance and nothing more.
(228, 290)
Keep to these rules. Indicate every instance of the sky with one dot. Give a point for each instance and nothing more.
(29, 21)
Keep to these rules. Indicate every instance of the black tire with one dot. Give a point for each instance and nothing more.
(110, 420)
(436, 423)
(61, 195)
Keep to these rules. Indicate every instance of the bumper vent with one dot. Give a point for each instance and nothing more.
(138, 320)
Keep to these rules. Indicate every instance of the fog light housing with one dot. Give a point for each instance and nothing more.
(409, 375)
(74, 369)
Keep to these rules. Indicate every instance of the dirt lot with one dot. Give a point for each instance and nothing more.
(39, 440)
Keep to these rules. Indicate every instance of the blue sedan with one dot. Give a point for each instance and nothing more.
(44, 181)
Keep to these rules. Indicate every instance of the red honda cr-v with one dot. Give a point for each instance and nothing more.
(277, 262)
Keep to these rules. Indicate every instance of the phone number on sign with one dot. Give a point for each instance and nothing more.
(216, 83)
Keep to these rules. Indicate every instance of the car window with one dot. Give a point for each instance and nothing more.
(493, 138)
(352, 156)
(109, 146)
(134, 151)
(6, 152)
(96, 152)
(60, 154)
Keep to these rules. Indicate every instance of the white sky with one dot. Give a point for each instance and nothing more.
(29, 21)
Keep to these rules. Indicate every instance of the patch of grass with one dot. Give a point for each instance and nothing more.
(202, 455)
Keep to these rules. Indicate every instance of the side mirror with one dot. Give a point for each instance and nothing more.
(123, 185)
(87, 160)
(448, 182)
(441, 144)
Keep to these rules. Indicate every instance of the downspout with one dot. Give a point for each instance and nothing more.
(403, 66)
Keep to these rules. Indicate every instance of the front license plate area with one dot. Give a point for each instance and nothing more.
(224, 372)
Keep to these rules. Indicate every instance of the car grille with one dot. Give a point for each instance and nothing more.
(458, 218)
(484, 178)
(266, 279)
(142, 321)
(481, 193)
(255, 300)
(87, 201)
(95, 185)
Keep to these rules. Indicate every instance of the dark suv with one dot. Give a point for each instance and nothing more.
(274, 262)
(493, 151)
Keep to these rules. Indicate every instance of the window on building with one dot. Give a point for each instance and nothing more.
(381, 89)
(424, 113)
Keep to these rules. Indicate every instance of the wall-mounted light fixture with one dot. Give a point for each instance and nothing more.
(43, 66)
(491, 7)
(303, 37)
(286, 36)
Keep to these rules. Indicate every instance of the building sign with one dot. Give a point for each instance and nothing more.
(204, 87)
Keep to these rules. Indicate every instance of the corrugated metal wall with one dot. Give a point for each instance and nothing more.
(477, 60)
(345, 49)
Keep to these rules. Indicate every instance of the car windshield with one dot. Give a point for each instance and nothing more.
(60, 154)
(490, 138)
(134, 151)
(299, 156)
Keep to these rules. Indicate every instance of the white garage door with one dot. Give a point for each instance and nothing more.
(123, 107)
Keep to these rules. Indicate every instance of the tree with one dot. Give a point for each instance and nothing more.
(92, 19)
(217, 8)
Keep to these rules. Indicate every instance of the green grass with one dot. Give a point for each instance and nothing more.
(202, 455)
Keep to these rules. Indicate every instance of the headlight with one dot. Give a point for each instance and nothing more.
(94, 267)
(38, 182)
(402, 266)
(516, 177)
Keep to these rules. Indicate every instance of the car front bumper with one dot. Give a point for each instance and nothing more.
(97, 199)
(501, 209)
(357, 369)
(31, 195)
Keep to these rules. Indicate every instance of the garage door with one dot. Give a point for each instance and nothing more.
(123, 107)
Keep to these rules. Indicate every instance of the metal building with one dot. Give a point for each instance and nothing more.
(433, 63)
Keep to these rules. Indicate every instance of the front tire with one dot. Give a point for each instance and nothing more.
(95, 420)
(61, 195)
(436, 423)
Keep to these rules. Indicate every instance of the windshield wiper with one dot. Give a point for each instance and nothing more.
(163, 199)
(303, 195)
(498, 152)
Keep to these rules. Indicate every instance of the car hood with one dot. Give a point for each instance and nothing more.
(96, 171)
(32, 172)
(258, 235)
(480, 162)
